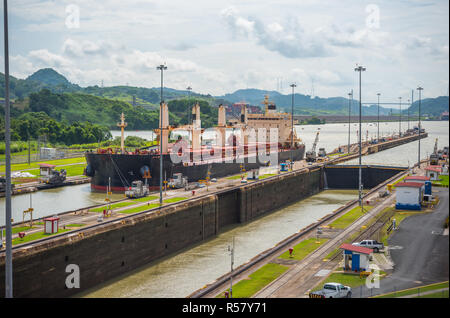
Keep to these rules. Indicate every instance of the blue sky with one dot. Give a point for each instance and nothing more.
(217, 47)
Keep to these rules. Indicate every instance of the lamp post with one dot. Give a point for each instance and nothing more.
(293, 85)
(400, 121)
(231, 250)
(409, 105)
(8, 230)
(188, 108)
(162, 68)
(378, 124)
(420, 89)
(350, 102)
(360, 69)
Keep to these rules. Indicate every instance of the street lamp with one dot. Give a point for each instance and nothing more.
(350, 102)
(378, 125)
(8, 230)
(188, 108)
(293, 85)
(360, 69)
(420, 89)
(409, 105)
(162, 68)
(400, 122)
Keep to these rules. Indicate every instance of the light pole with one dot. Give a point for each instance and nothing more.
(8, 231)
(293, 85)
(231, 250)
(188, 108)
(400, 121)
(409, 105)
(378, 124)
(162, 68)
(360, 69)
(350, 102)
(420, 89)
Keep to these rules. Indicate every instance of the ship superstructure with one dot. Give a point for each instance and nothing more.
(253, 141)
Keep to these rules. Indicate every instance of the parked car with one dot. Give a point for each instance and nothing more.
(373, 244)
(332, 290)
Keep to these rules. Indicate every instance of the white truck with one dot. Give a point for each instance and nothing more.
(178, 181)
(332, 290)
(137, 190)
(373, 244)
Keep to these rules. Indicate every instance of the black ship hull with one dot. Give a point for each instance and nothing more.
(120, 170)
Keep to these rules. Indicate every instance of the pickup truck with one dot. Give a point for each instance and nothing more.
(376, 246)
(332, 290)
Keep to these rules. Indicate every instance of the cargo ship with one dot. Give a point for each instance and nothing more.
(253, 140)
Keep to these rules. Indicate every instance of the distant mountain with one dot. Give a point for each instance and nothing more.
(48, 76)
(430, 106)
(150, 97)
(303, 104)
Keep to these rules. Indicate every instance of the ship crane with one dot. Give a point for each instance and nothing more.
(311, 155)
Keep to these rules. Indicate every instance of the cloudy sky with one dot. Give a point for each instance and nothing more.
(218, 47)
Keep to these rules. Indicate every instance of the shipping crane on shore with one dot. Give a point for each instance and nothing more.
(311, 155)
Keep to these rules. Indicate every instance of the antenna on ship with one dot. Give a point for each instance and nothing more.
(122, 125)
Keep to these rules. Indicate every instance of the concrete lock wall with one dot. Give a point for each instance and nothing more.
(115, 248)
(347, 177)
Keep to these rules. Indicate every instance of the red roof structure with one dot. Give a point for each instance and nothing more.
(357, 249)
(409, 184)
(46, 165)
(434, 168)
(424, 178)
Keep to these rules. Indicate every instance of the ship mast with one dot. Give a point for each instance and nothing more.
(122, 125)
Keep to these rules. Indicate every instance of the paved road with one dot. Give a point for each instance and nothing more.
(419, 250)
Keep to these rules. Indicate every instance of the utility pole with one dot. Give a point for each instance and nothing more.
(378, 124)
(400, 122)
(8, 232)
(162, 68)
(350, 102)
(360, 69)
(231, 250)
(293, 85)
(420, 89)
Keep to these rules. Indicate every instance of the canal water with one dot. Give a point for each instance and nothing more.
(49, 202)
(181, 274)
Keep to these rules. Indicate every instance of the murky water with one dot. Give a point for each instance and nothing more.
(184, 273)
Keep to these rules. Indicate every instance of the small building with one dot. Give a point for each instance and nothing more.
(356, 258)
(409, 195)
(433, 172)
(51, 225)
(421, 179)
(46, 169)
(444, 116)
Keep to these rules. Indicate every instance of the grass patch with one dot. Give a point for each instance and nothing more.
(440, 294)
(35, 165)
(443, 181)
(260, 278)
(172, 200)
(123, 204)
(412, 291)
(35, 236)
(399, 216)
(351, 280)
(267, 175)
(140, 208)
(236, 177)
(302, 249)
(75, 225)
(349, 217)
